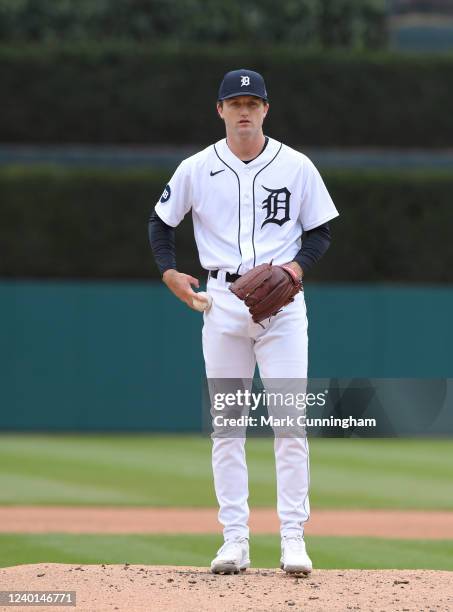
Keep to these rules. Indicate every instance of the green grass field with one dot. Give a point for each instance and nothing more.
(366, 553)
(176, 471)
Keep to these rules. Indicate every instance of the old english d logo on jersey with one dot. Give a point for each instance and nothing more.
(276, 206)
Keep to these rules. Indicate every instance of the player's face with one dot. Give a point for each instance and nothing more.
(243, 115)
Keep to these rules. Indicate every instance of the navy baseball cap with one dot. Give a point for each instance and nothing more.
(242, 83)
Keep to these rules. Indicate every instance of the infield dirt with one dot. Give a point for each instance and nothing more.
(398, 524)
(130, 588)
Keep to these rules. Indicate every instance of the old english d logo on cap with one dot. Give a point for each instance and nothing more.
(242, 83)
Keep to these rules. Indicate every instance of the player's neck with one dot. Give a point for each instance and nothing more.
(246, 148)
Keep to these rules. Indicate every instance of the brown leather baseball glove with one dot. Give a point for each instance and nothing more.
(266, 289)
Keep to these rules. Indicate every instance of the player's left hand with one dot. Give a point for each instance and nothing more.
(296, 267)
(266, 289)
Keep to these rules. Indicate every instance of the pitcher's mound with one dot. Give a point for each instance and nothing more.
(134, 587)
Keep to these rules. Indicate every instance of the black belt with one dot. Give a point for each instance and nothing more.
(229, 278)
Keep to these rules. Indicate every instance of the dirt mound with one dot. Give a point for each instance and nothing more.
(180, 589)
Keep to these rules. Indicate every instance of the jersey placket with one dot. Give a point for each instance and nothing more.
(246, 220)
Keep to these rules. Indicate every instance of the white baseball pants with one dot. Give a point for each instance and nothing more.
(232, 346)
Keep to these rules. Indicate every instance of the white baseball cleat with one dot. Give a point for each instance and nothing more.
(294, 558)
(232, 557)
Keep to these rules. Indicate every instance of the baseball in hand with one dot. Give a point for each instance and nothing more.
(202, 302)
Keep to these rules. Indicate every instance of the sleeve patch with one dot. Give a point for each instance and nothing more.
(166, 194)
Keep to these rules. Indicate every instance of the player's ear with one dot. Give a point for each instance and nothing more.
(220, 109)
(266, 108)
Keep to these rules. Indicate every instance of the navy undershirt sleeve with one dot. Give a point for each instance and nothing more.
(162, 241)
(315, 243)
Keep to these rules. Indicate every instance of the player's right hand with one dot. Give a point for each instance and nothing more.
(181, 285)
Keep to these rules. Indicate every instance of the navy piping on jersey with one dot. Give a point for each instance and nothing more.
(253, 190)
(266, 141)
(239, 188)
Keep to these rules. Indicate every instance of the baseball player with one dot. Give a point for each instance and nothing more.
(254, 201)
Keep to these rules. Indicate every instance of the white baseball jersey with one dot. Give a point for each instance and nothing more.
(247, 214)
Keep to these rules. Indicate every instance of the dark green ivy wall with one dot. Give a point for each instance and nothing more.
(127, 355)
